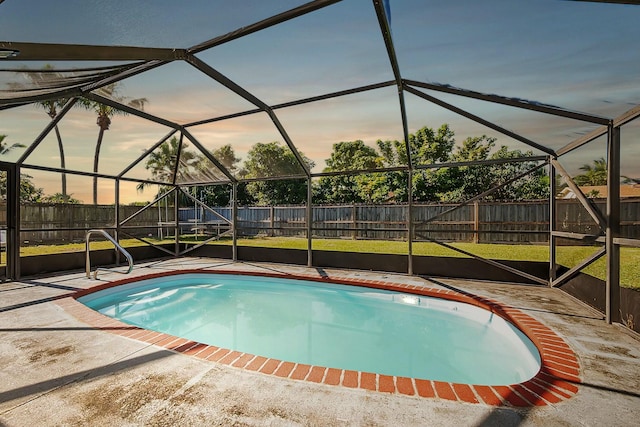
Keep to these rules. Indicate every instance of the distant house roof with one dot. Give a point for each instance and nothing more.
(600, 191)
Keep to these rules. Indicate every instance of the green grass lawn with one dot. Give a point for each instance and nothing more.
(568, 256)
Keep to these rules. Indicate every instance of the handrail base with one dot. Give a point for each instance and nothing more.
(117, 247)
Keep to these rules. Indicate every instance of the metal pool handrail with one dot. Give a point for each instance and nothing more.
(118, 249)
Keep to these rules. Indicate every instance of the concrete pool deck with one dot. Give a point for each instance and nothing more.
(58, 370)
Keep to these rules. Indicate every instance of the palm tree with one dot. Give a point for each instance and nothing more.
(161, 162)
(51, 107)
(227, 157)
(4, 149)
(593, 175)
(103, 121)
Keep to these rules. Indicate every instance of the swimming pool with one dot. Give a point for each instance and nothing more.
(331, 325)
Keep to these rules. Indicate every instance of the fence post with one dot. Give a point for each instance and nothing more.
(354, 222)
(476, 221)
(271, 221)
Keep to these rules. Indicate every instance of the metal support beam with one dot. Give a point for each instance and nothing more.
(513, 102)
(129, 72)
(337, 94)
(585, 238)
(91, 174)
(613, 225)
(234, 214)
(593, 211)
(160, 248)
(147, 206)
(176, 167)
(147, 152)
(484, 193)
(176, 212)
(490, 262)
(623, 241)
(261, 25)
(553, 267)
(309, 223)
(575, 270)
(117, 217)
(52, 124)
(481, 162)
(133, 111)
(622, 119)
(13, 221)
(240, 91)
(79, 52)
(75, 91)
(383, 22)
(303, 164)
(410, 222)
(584, 139)
(627, 116)
(295, 103)
(208, 155)
(480, 120)
(205, 206)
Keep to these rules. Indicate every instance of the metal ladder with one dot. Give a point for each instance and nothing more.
(118, 249)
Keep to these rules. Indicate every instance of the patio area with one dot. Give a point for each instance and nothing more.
(57, 370)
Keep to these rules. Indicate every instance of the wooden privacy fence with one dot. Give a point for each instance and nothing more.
(482, 222)
(63, 223)
(518, 222)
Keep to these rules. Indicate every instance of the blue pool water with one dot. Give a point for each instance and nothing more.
(330, 325)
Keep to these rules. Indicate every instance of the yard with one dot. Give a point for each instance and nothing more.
(568, 256)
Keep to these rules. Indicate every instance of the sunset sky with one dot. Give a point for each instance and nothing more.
(582, 56)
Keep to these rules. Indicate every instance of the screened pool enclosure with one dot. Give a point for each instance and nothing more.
(200, 125)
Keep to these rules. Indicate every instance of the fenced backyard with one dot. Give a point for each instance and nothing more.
(479, 222)
(508, 231)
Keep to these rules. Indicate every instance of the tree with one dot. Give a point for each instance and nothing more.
(162, 161)
(51, 108)
(227, 158)
(103, 121)
(349, 156)
(60, 198)
(6, 149)
(47, 77)
(273, 160)
(220, 195)
(533, 186)
(428, 146)
(595, 174)
(465, 182)
(162, 164)
(28, 191)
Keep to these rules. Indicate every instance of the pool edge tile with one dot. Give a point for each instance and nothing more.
(557, 379)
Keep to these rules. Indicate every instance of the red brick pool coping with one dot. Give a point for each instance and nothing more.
(557, 379)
